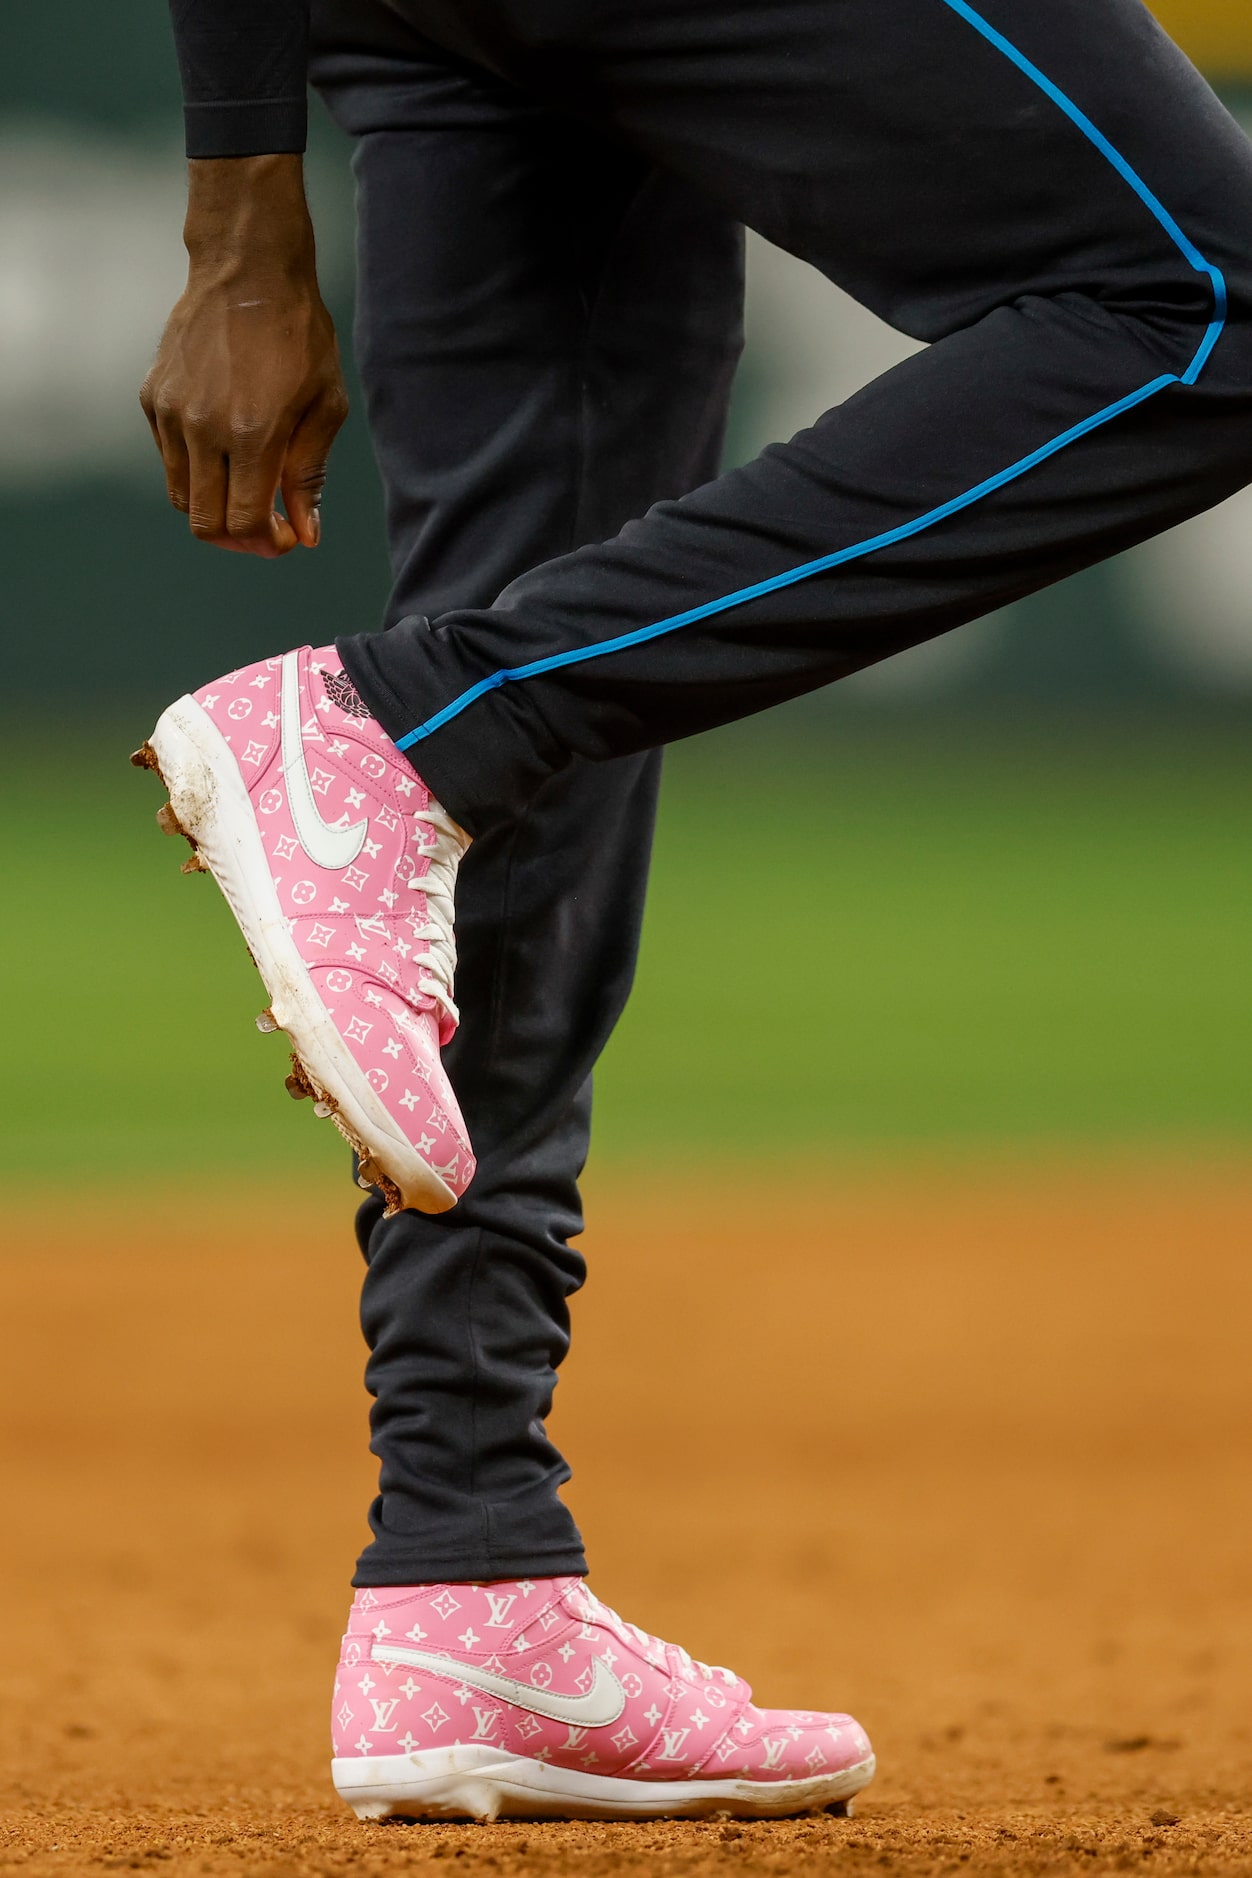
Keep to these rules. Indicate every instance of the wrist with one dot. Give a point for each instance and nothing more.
(248, 215)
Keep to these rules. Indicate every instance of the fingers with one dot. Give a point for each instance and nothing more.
(225, 477)
(177, 469)
(227, 494)
(168, 437)
(304, 469)
(231, 499)
(147, 402)
(228, 497)
(250, 523)
(222, 477)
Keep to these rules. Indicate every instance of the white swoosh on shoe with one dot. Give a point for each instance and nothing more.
(602, 1704)
(327, 846)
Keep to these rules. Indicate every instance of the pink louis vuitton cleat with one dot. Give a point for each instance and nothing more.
(532, 1699)
(339, 866)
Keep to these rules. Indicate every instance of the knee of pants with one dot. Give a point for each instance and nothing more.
(1212, 294)
(1232, 355)
(1199, 322)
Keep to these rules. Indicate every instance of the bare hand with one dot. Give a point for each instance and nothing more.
(246, 395)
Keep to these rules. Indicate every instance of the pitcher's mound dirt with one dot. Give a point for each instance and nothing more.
(969, 1455)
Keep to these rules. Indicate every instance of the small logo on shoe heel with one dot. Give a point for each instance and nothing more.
(344, 695)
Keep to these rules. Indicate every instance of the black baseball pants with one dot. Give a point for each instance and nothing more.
(547, 328)
(1044, 190)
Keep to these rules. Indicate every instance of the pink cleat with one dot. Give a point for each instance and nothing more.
(339, 866)
(532, 1699)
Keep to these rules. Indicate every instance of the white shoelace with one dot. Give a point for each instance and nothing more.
(443, 857)
(656, 1648)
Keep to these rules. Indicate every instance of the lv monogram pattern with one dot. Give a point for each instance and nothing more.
(357, 924)
(503, 1660)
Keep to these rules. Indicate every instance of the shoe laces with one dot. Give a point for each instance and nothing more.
(669, 1656)
(442, 854)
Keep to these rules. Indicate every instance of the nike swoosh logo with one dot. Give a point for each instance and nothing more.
(602, 1704)
(326, 846)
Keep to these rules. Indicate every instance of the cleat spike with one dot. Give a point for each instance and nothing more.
(143, 758)
(322, 1109)
(267, 1023)
(369, 1175)
(296, 1086)
(168, 822)
(194, 865)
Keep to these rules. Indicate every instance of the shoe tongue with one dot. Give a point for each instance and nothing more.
(580, 1602)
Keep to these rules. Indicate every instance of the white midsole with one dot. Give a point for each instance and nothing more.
(209, 797)
(468, 1781)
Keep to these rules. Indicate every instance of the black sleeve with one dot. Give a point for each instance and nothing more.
(244, 66)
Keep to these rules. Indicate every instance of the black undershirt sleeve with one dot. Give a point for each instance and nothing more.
(244, 66)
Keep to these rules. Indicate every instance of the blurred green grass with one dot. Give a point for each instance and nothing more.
(894, 940)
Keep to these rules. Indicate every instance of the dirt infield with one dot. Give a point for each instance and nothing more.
(967, 1453)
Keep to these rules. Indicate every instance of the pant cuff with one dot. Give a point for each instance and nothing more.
(377, 1568)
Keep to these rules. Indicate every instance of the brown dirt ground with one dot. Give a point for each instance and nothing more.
(968, 1453)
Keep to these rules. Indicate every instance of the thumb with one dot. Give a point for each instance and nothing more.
(304, 468)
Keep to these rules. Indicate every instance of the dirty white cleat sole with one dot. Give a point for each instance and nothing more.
(485, 1783)
(209, 804)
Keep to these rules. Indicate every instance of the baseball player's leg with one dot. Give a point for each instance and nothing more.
(533, 378)
(1050, 195)
(1054, 200)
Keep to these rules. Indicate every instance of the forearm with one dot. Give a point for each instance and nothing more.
(244, 66)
